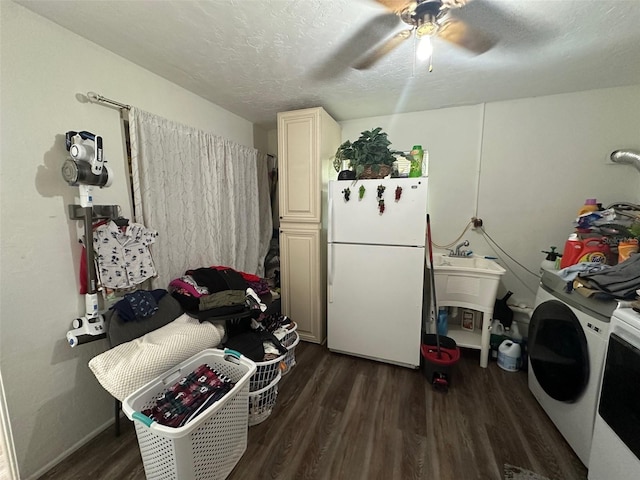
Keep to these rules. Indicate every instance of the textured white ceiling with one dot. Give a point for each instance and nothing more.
(258, 57)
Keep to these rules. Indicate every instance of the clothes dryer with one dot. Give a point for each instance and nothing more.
(566, 344)
(615, 449)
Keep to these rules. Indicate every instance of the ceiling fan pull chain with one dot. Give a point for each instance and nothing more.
(415, 56)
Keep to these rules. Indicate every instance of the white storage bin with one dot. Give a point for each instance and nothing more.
(211, 444)
(261, 402)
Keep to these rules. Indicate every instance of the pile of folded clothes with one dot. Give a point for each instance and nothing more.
(621, 281)
(189, 397)
(210, 292)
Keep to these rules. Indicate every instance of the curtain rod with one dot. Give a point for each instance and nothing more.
(94, 97)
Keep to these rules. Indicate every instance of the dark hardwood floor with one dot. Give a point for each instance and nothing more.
(340, 417)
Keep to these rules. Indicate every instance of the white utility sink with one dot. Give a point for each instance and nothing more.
(471, 264)
(470, 282)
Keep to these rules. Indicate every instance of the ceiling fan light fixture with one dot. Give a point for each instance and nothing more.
(427, 25)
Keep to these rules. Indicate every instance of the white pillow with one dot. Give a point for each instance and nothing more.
(127, 367)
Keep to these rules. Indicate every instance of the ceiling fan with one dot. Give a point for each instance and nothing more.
(428, 19)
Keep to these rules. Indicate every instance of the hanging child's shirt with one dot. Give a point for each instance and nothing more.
(123, 257)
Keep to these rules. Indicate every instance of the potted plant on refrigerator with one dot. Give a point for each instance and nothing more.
(369, 156)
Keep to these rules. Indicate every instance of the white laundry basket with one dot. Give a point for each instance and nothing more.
(290, 356)
(211, 444)
(286, 335)
(261, 402)
(265, 373)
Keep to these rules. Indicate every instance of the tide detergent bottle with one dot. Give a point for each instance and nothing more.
(594, 250)
(589, 250)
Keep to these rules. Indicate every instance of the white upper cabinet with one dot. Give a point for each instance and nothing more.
(307, 141)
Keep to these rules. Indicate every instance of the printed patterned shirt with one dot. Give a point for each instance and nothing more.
(124, 259)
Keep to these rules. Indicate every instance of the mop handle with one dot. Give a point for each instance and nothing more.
(433, 284)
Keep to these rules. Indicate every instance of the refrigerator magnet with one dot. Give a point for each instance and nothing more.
(347, 193)
(381, 189)
(398, 192)
(361, 192)
(381, 205)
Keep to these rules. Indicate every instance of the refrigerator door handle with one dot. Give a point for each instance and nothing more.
(330, 273)
(330, 213)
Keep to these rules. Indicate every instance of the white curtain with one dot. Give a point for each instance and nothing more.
(202, 193)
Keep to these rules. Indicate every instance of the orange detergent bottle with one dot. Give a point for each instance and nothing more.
(590, 205)
(589, 250)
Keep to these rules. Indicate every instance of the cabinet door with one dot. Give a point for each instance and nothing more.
(301, 280)
(298, 166)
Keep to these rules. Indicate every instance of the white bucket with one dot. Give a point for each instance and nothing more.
(509, 356)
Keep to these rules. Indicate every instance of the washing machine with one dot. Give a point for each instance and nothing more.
(567, 342)
(615, 449)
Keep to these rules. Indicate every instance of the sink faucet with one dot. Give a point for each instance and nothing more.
(458, 252)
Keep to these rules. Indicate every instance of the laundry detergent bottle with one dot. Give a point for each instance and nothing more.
(590, 205)
(417, 155)
(594, 250)
(572, 249)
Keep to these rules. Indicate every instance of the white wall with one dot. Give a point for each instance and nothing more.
(524, 166)
(53, 399)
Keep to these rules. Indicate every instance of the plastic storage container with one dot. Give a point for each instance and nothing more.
(211, 444)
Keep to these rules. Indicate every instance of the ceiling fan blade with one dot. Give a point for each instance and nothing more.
(396, 6)
(357, 45)
(461, 34)
(370, 59)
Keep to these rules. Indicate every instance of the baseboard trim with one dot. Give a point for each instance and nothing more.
(97, 431)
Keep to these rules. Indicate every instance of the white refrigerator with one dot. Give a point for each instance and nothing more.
(376, 237)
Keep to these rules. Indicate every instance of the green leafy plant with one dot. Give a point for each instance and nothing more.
(370, 149)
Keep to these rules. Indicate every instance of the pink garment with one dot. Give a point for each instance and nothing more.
(181, 284)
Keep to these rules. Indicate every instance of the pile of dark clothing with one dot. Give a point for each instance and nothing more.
(189, 397)
(215, 292)
(138, 305)
(250, 338)
(275, 322)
